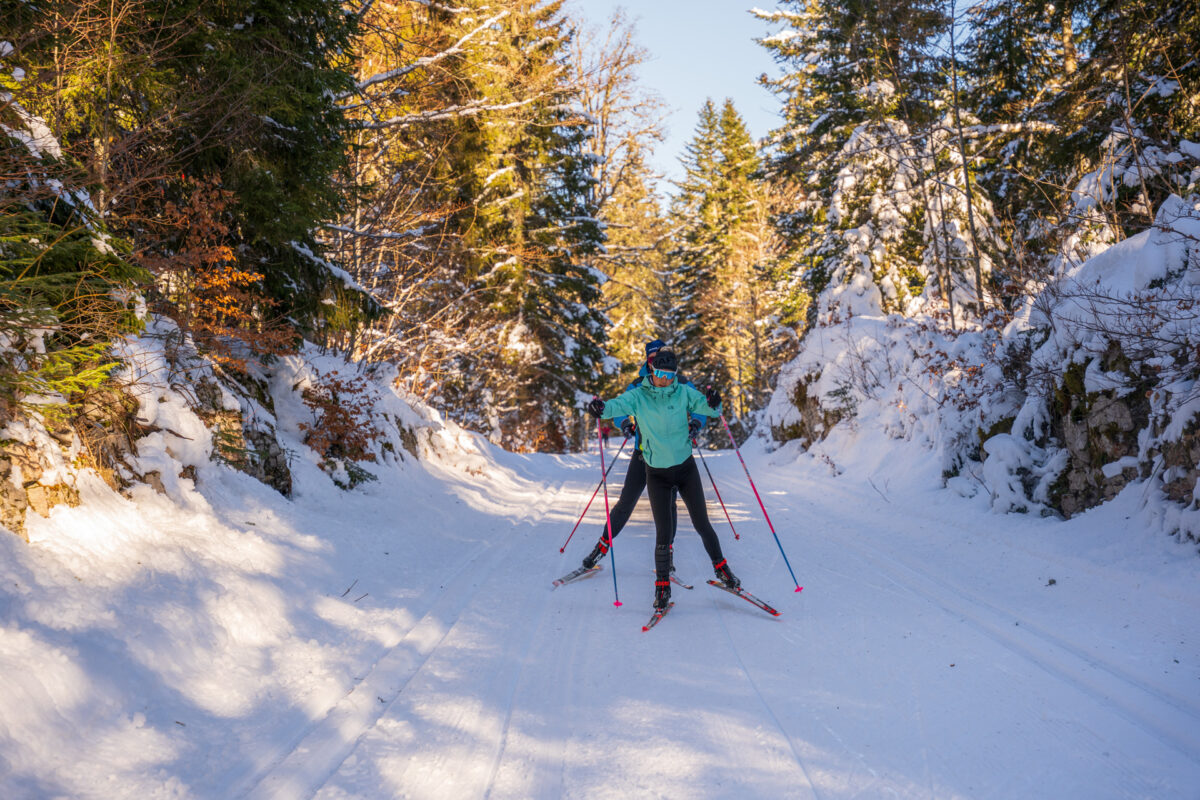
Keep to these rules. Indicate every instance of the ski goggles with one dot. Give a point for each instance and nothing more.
(668, 374)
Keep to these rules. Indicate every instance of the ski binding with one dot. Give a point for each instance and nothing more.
(656, 616)
(577, 575)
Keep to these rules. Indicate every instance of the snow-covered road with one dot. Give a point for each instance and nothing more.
(937, 650)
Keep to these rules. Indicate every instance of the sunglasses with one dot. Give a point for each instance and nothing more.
(665, 373)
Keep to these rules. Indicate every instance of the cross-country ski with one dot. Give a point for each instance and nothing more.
(657, 616)
(576, 575)
(742, 593)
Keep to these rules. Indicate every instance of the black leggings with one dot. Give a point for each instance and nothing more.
(661, 485)
(631, 492)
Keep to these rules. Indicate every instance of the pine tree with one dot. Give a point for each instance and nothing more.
(725, 253)
(1018, 55)
(280, 65)
(158, 98)
(67, 286)
(696, 214)
(1124, 113)
(1085, 103)
(524, 231)
(736, 302)
(638, 292)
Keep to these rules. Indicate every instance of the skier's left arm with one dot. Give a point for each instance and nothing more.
(695, 420)
(699, 403)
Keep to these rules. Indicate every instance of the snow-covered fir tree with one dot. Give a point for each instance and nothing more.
(871, 160)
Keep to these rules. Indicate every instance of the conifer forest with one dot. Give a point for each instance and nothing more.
(458, 194)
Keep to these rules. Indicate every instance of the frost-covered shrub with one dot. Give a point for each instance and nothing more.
(1093, 384)
(1114, 379)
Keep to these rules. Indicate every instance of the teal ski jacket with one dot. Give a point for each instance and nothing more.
(661, 414)
(643, 377)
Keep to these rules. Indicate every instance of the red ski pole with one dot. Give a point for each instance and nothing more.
(716, 490)
(760, 502)
(607, 516)
(589, 502)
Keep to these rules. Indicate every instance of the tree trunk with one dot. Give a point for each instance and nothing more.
(962, 149)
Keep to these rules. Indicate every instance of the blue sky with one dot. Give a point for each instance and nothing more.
(699, 49)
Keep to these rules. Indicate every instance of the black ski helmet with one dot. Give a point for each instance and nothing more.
(665, 360)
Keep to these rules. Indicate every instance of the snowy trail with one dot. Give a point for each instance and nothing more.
(937, 650)
(886, 677)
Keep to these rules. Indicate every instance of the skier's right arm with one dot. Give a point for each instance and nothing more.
(622, 406)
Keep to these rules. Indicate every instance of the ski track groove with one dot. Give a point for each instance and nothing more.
(812, 787)
(309, 771)
(331, 746)
(1065, 661)
(517, 679)
(1159, 712)
(1067, 664)
(565, 692)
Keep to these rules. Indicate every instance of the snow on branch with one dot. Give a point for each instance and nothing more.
(426, 61)
(409, 234)
(452, 112)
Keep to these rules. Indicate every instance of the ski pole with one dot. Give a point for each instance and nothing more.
(589, 502)
(760, 502)
(607, 516)
(716, 490)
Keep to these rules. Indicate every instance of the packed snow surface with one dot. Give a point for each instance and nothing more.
(403, 640)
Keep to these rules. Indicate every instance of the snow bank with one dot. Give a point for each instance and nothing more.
(139, 625)
(1104, 358)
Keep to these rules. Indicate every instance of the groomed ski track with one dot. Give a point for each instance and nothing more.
(929, 656)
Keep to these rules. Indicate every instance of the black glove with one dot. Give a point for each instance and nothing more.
(627, 427)
(693, 428)
(712, 397)
(596, 407)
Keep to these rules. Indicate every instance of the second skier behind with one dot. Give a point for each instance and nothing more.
(635, 476)
(662, 408)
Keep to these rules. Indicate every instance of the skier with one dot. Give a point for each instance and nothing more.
(635, 476)
(661, 406)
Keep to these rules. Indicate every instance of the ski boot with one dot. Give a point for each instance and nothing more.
(596, 555)
(725, 576)
(662, 594)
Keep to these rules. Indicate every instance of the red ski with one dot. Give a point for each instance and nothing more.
(577, 575)
(749, 598)
(659, 613)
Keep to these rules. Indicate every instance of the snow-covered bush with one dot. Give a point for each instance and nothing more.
(1112, 393)
(1091, 385)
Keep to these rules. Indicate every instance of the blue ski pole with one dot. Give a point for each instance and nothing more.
(760, 502)
(607, 515)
